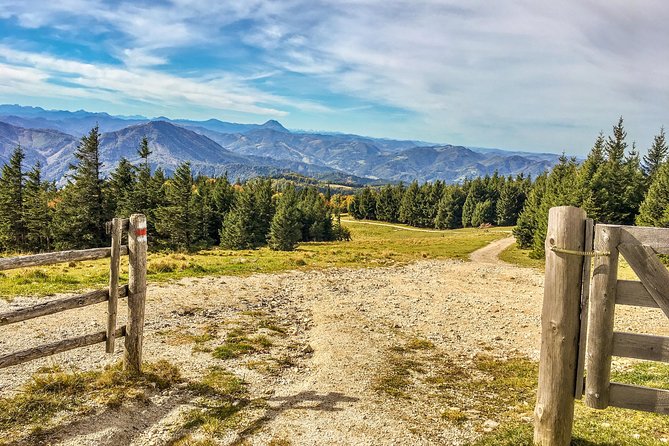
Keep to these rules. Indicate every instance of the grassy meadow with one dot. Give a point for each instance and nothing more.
(371, 246)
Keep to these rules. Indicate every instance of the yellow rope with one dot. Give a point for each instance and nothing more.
(580, 253)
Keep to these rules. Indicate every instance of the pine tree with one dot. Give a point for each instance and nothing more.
(510, 202)
(263, 210)
(476, 194)
(286, 228)
(560, 191)
(12, 222)
(528, 220)
(175, 222)
(657, 154)
(121, 189)
(36, 211)
(449, 211)
(79, 221)
(654, 210)
(238, 225)
(483, 213)
(409, 206)
(387, 205)
(588, 182)
(315, 215)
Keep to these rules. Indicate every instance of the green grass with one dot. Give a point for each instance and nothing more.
(52, 394)
(371, 246)
(592, 427)
(520, 257)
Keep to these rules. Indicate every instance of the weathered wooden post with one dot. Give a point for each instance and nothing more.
(114, 264)
(602, 306)
(554, 411)
(137, 247)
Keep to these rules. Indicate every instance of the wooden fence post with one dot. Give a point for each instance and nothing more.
(137, 247)
(602, 306)
(554, 411)
(114, 264)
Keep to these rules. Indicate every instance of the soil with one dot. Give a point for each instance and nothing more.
(339, 324)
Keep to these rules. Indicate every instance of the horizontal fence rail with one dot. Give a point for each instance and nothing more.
(49, 258)
(57, 347)
(633, 293)
(641, 398)
(135, 291)
(56, 306)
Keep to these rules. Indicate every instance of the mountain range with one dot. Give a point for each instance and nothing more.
(215, 147)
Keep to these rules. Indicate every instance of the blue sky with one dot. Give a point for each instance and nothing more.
(528, 74)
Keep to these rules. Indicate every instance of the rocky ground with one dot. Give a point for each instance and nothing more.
(332, 334)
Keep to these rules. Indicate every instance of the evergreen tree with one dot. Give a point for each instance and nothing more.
(79, 221)
(175, 222)
(286, 228)
(449, 211)
(657, 154)
(36, 211)
(477, 194)
(387, 204)
(528, 219)
(238, 224)
(560, 191)
(616, 181)
(654, 210)
(12, 222)
(367, 203)
(121, 190)
(263, 210)
(588, 182)
(409, 206)
(510, 202)
(316, 216)
(483, 213)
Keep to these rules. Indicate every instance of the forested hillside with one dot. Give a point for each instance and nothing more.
(184, 211)
(614, 185)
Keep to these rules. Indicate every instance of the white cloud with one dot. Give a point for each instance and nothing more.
(514, 73)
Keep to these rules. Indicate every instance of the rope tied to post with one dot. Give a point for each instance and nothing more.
(580, 253)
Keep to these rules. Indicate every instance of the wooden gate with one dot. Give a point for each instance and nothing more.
(639, 246)
(578, 314)
(135, 290)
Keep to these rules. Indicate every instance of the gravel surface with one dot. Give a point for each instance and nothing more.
(339, 325)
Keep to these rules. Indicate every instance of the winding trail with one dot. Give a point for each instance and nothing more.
(406, 228)
(490, 253)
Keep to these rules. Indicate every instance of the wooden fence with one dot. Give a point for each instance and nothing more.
(578, 316)
(135, 291)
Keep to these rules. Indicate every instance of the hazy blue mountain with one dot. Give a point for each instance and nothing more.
(171, 145)
(244, 150)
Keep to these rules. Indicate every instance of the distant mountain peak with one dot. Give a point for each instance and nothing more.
(274, 125)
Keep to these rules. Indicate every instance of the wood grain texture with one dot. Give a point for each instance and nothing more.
(656, 238)
(639, 398)
(56, 306)
(601, 317)
(114, 266)
(632, 292)
(652, 273)
(49, 258)
(641, 346)
(137, 251)
(56, 347)
(585, 302)
(560, 323)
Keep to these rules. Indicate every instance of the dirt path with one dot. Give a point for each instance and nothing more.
(490, 253)
(405, 228)
(319, 383)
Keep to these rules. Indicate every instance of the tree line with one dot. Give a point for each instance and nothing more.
(184, 211)
(613, 185)
(489, 200)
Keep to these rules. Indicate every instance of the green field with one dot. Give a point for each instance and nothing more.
(371, 246)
